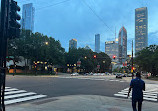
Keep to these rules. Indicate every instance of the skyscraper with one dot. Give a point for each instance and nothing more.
(27, 21)
(141, 28)
(111, 49)
(122, 45)
(97, 43)
(73, 44)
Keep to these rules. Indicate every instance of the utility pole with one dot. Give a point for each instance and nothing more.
(132, 60)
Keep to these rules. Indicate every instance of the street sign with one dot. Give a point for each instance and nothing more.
(98, 66)
(78, 63)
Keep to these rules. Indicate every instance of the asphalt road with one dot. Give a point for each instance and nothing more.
(55, 87)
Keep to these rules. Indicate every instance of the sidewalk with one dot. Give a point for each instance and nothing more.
(128, 79)
(81, 103)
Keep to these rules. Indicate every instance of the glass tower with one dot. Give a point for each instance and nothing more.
(97, 43)
(122, 45)
(73, 44)
(141, 28)
(27, 21)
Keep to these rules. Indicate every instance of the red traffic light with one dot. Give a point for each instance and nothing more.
(132, 68)
(114, 57)
(95, 56)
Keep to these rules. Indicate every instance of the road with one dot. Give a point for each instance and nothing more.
(28, 88)
(56, 86)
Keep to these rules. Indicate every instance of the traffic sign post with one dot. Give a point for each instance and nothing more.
(78, 63)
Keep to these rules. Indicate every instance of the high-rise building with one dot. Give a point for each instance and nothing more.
(141, 28)
(111, 49)
(97, 43)
(122, 45)
(73, 44)
(27, 21)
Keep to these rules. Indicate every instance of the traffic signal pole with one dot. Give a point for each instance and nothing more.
(132, 60)
(9, 28)
(3, 51)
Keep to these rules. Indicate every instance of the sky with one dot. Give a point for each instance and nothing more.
(82, 19)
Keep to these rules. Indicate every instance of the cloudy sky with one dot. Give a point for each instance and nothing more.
(82, 19)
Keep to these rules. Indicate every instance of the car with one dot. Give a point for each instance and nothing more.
(124, 75)
(119, 76)
(129, 75)
(74, 74)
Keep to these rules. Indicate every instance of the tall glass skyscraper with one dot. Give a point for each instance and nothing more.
(27, 21)
(141, 28)
(97, 43)
(122, 45)
(73, 44)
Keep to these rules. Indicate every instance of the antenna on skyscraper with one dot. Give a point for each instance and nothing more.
(115, 34)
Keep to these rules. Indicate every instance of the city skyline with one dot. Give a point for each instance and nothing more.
(52, 20)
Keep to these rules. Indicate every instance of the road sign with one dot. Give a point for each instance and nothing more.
(98, 66)
(78, 63)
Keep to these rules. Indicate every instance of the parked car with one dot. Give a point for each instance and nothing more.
(129, 75)
(119, 76)
(74, 74)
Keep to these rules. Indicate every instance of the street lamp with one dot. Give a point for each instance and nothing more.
(46, 43)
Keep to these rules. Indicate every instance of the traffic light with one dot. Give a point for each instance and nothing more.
(114, 57)
(35, 65)
(13, 18)
(94, 56)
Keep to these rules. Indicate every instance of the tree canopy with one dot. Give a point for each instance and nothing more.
(147, 59)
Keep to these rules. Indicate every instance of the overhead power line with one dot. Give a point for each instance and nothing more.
(98, 17)
(52, 5)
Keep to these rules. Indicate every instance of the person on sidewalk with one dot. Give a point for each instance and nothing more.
(137, 85)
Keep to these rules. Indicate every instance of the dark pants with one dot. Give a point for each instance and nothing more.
(134, 105)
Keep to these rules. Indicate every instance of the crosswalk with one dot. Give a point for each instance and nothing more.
(14, 95)
(151, 93)
(94, 78)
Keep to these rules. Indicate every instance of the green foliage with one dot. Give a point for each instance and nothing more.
(147, 59)
(37, 47)
(87, 61)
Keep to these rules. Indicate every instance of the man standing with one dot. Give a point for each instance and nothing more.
(137, 85)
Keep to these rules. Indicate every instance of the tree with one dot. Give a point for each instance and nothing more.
(147, 59)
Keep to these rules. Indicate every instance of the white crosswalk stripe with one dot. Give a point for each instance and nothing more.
(149, 94)
(14, 95)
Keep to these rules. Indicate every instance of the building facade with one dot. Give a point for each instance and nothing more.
(73, 44)
(141, 28)
(122, 45)
(27, 21)
(111, 49)
(97, 43)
